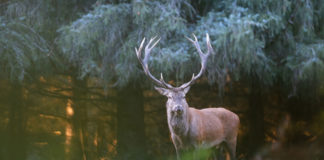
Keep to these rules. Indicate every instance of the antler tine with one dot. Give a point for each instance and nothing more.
(148, 48)
(196, 44)
(139, 50)
(166, 84)
(203, 58)
(192, 41)
(144, 62)
(209, 47)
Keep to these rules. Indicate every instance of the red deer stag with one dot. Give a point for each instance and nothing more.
(192, 128)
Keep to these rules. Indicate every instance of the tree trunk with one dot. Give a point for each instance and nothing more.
(256, 116)
(78, 120)
(131, 138)
(17, 143)
(101, 140)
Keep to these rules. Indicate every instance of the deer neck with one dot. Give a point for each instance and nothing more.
(179, 124)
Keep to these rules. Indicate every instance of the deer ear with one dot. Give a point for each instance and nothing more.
(186, 90)
(162, 91)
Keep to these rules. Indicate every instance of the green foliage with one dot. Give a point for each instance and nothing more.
(246, 35)
(27, 31)
(238, 44)
(102, 42)
(93, 36)
(270, 40)
(305, 58)
(306, 63)
(45, 16)
(22, 50)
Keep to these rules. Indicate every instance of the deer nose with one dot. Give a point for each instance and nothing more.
(178, 109)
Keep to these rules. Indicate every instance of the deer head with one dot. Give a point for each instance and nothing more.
(176, 104)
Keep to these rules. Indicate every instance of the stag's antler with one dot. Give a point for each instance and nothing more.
(144, 63)
(203, 58)
(161, 82)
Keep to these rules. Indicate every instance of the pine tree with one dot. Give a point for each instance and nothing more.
(27, 33)
(260, 44)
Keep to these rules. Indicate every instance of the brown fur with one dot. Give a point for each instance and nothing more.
(199, 129)
(208, 128)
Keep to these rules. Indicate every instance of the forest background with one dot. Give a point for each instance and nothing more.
(71, 86)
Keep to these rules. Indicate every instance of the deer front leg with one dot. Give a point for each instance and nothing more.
(195, 155)
(178, 153)
(177, 145)
(231, 145)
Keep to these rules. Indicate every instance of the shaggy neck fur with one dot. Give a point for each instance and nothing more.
(179, 124)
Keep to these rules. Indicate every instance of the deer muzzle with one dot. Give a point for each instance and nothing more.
(178, 110)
